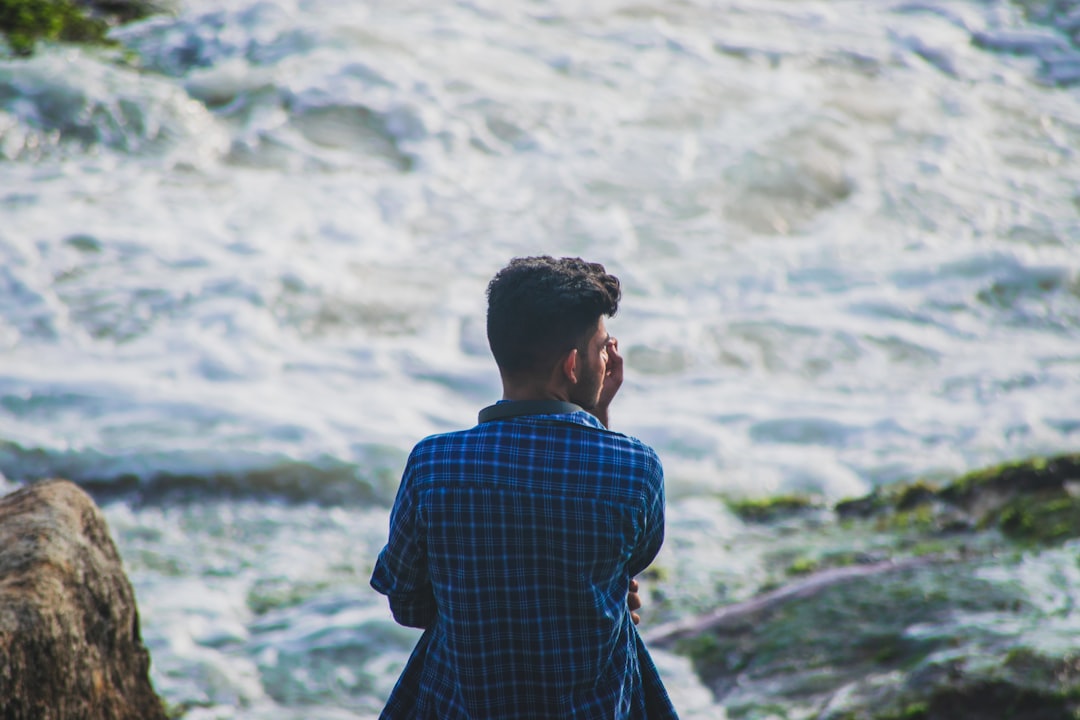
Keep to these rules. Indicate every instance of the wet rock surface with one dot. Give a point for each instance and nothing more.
(70, 645)
(1034, 501)
(917, 602)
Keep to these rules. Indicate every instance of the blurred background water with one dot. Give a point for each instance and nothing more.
(242, 267)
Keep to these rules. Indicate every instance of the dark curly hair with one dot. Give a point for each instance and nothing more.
(542, 307)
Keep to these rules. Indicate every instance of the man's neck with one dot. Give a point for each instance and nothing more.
(518, 390)
(534, 389)
(534, 395)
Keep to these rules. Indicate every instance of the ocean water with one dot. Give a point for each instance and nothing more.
(242, 266)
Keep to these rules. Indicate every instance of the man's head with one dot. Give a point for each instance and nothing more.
(541, 308)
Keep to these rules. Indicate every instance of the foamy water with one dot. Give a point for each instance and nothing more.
(248, 263)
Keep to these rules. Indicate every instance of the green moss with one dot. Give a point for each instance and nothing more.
(912, 711)
(1043, 521)
(921, 518)
(770, 508)
(24, 22)
(976, 478)
(754, 711)
(709, 655)
(276, 593)
(914, 495)
(889, 649)
(1024, 476)
(863, 507)
(1027, 500)
(898, 498)
(799, 564)
(1060, 674)
(803, 566)
(923, 548)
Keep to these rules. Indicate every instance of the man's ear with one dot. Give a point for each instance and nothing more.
(569, 366)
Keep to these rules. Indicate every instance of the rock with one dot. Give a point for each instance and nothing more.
(919, 602)
(69, 629)
(24, 23)
(995, 486)
(1034, 501)
(814, 650)
(766, 510)
(918, 641)
(1022, 684)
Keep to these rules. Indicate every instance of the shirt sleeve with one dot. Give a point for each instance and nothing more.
(401, 572)
(653, 511)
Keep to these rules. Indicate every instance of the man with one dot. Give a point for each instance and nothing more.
(514, 544)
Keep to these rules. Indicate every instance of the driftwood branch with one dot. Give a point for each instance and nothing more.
(739, 613)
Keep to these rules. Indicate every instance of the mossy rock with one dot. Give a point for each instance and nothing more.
(915, 495)
(1026, 686)
(887, 648)
(808, 561)
(992, 699)
(25, 22)
(863, 507)
(905, 497)
(1041, 521)
(1029, 501)
(807, 649)
(923, 641)
(771, 509)
(855, 644)
(277, 593)
(1026, 477)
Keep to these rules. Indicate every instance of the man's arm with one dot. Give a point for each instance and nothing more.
(653, 512)
(653, 537)
(401, 572)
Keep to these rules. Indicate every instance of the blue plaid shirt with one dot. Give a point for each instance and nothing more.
(513, 544)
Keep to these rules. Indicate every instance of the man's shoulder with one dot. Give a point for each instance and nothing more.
(575, 424)
(569, 427)
(544, 452)
(441, 441)
(646, 454)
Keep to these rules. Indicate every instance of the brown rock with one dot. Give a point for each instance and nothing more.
(69, 629)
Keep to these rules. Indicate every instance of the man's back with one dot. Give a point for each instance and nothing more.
(513, 544)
